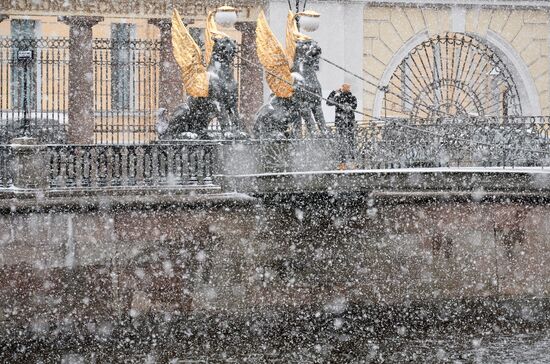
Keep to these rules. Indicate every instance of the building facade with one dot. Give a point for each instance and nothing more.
(105, 68)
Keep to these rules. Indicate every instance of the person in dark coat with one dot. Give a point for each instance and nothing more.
(345, 124)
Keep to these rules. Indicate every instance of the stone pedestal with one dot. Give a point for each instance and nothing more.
(171, 85)
(240, 157)
(81, 78)
(29, 164)
(251, 76)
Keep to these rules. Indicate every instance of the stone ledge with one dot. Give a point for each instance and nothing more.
(442, 182)
(13, 200)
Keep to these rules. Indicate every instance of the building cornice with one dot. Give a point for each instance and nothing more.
(522, 4)
(122, 8)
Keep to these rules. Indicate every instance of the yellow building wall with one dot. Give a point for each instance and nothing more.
(387, 29)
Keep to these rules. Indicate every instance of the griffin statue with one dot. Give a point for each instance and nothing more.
(212, 92)
(291, 76)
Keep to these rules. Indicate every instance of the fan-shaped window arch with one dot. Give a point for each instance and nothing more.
(451, 75)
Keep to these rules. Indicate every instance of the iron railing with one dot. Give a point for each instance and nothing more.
(33, 91)
(451, 74)
(126, 90)
(183, 164)
(508, 142)
(478, 142)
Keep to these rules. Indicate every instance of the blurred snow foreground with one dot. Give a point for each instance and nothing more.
(262, 251)
(274, 259)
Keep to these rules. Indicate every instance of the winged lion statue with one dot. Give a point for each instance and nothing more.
(291, 76)
(211, 86)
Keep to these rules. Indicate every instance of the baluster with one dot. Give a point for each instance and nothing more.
(116, 166)
(183, 164)
(85, 166)
(3, 167)
(162, 164)
(62, 178)
(94, 167)
(207, 165)
(140, 165)
(109, 165)
(170, 165)
(102, 166)
(124, 165)
(132, 165)
(53, 166)
(78, 169)
(147, 165)
(193, 166)
(155, 165)
(69, 167)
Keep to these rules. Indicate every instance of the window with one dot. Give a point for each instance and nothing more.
(23, 76)
(121, 71)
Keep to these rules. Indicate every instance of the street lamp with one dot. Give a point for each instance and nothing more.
(309, 20)
(297, 10)
(25, 58)
(306, 19)
(226, 16)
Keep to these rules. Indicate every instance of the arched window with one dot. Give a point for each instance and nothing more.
(451, 75)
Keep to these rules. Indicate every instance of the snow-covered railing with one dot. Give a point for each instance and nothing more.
(99, 166)
(513, 141)
(174, 164)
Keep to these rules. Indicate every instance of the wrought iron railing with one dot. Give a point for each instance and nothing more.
(181, 164)
(511, 141)
(126, 87)
(184, 164)
(33, 88)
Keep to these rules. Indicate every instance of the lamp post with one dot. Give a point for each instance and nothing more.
(297, 6)
(24, 58)
(226, 16)
(308, 20)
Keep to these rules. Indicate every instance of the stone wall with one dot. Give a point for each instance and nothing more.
(250, 255)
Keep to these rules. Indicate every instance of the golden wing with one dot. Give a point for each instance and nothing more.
(272, 56)
(211, 32)
(292, 36)
(188, 56)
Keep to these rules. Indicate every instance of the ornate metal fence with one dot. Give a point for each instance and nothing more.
(33, 88)
(479, 142)
(184, 164)
(126, 79)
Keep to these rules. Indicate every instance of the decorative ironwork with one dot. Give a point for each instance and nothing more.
(125, 112)
(479, 142)
(452, 75)
(33, 94)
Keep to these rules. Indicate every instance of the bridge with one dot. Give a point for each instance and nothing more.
(488, 150)
(445, 201)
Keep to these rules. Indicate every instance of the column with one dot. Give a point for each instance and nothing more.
(81, 79)
(171, 84)
(251, 75)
